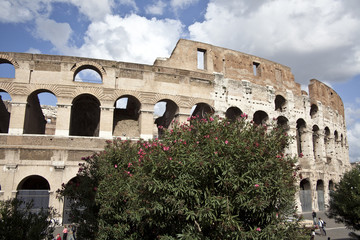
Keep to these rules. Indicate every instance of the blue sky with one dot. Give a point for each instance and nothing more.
(317, 39)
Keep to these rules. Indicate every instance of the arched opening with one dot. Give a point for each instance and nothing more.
(305, 195)
(342, 140)
(85, 116)
(68, 214)
(126, 117)
(36, 189)
(283, 123)
(233, 113)
(164, 112)
(327, 143)
(7, 70)
(314, 110)
(40, 115)
(260, 117)
(88, 73)
(300, 129)
(201, 110)
(5, 109)
(320, 195)
(315, 140)
(280, 103)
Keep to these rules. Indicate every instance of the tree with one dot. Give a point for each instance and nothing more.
(18, 221)
(345, 200)
(205, 179)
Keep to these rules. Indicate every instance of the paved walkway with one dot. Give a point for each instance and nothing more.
(334, 231)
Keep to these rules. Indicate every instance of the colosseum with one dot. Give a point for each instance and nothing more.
(41, 146)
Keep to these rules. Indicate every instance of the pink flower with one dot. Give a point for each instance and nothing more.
(170, 158)
(257, 185)
(256, 144)
(301, 155)
(129, 165)
(166, 148)
(211, 119)
(115, 166)
(258, 229)
(216, 153)
(226, 141)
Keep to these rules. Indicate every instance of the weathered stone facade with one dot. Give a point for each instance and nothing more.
(40, 147)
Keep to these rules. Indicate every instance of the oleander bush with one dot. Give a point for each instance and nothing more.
(208, 178)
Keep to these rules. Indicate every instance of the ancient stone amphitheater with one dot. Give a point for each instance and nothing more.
(41, 146)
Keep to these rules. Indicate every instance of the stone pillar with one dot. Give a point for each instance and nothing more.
(17, 117)
(146, 121)
(63, 119)
(292, 149)
(106, 121)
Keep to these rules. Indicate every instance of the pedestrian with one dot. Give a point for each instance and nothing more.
(70, 235)
(73, 229)
(58, 236)
(322, 226)
(312, 234)
(314, 217)
(65, 233)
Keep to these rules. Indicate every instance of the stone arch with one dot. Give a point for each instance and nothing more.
(201, 110)
(7, 59)
(35, 121)
(233, 113)
(5, 109)
(320, 194)
(315, 141)
(167, 114)
(260, 117)
(88, 65)
(314, 110)
(280, 103)
(283, 122)
(34, 188)
(305, 195)
(300, 134)
(67, 215)
(327, 143)
(85, 116)
(126, 116)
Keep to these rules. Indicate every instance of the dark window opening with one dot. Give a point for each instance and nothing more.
(233, 113)
(313, 110)
(5, 109)
(85, 116)
(260, 117)
(280, 103)
(300, 128)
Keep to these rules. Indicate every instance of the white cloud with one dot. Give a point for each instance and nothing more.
(156, 9)
(33, 50)
(57, 33)
(318, 39)
(133, 38)
(352, 113)
(181, 4)
(17, 11)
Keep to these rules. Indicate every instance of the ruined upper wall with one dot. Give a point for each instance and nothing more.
(318, 91)
(231, 64)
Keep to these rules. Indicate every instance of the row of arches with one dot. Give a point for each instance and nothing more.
(307, 195)
(83, 71)
(91, 72)
(86, 111)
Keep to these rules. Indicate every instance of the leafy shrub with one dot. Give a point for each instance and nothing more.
(205, 179)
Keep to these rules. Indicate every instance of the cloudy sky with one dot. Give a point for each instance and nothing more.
(317, 39)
